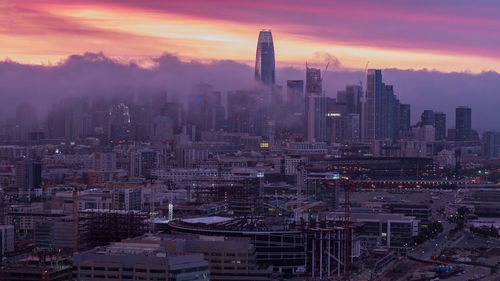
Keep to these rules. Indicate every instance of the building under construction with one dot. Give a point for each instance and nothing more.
(239, 195)
(292, 249)
(101, 227)
(328, 254)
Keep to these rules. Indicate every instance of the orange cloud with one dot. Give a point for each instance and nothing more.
(41, 33)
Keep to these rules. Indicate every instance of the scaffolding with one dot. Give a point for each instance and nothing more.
(101, 227)
(239, 195)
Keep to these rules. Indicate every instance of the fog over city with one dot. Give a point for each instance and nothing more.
(95, 74)
(282, 140)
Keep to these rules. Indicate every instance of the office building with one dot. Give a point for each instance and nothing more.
(205, 111)
(463, 123)
(295, 95)
(382, 116)
(135, 261)
(440, 125)
(351, 97)
(404, 118)
(264, 61)
(315, 106)
(373, 95)
(119, 124)
(491, 144)
(427, 118)
(144, 161)
(28, 177)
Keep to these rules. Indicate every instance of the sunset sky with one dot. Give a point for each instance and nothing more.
(446, 35)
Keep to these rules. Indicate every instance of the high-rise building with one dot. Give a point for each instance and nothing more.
(404, 117)
(351, 97)
(295, 95)
(205, 110)
(314, 83)
(463, 123)
(491, 144)
(315, 106)
(373, 95)
(427, 118)
(175, 111)
(28, 177)
(440, 125)
(119, 124)
(391, 125)
(381, 119)
(243, 117)
(264, 61)
(144, 161)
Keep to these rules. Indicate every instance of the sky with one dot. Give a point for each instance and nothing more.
(445, 35)
(437, 54)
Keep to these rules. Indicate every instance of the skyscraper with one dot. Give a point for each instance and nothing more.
(205, 109)
(463, 120)
(295, 95)
(373, 95)
(381, 119)
(351, 97)
(440, 125)
(315, 106)
(314, 83)
(264, 61)
(404, 117)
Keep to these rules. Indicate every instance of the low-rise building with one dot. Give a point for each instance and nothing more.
(138, 261)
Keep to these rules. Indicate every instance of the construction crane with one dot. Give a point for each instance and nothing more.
(360, 79)
(346, 185)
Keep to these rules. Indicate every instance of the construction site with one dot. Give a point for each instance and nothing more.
(101, 227)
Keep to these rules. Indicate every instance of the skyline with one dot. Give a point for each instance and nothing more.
(444, 37)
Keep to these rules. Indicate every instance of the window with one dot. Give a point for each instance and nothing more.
(156, 271)
(99, 268)
(140, 270)
(113, 269)
(230, 254)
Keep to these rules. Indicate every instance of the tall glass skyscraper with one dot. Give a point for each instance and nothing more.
(264, 61)
(381, 110)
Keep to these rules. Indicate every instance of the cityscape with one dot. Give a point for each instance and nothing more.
(272, 178)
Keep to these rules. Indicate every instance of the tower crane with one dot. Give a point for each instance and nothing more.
(360, 79)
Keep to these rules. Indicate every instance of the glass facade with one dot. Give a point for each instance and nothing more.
(264, 61)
